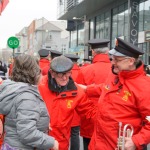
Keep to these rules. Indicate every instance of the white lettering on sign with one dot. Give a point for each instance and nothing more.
(11, 42)
(134, 23)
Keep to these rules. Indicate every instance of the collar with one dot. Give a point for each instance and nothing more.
(101, 58)
(132, 74)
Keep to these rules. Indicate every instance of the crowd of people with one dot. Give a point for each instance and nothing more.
(47, 104)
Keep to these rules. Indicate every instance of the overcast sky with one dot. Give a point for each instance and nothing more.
(20, 13)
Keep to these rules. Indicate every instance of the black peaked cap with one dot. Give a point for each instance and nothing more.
(73, 57)
(43, 52)
(126, 49)
(98, 43)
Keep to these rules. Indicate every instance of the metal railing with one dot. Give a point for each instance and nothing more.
(66, 5)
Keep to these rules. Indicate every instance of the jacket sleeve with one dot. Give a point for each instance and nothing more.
(94, 90)
(28, 114)
(86, 108)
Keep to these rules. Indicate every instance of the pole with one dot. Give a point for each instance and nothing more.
(13, 52)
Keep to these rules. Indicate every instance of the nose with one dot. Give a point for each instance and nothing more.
(64, 77)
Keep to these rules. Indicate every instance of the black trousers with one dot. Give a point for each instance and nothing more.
(86, 142)
(75, 141)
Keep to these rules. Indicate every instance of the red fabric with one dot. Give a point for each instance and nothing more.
(76, 117)
(3, 4)
(125, 101)
(2, 138)
(61, 110)
(45, 70)
(10, 69)
(44, 65)
(95, 73)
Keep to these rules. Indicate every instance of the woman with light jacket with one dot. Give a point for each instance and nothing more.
(26, 117)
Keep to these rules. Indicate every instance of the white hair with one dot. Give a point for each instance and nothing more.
(101, 50)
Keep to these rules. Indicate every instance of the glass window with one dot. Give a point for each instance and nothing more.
(97, 26)
(141, 15)
(121, 21)
(101, 26)
(147, 15)
(81, 34)
(107, 26)
(114, 26)
(92, 28)
(73, 38)
(126, 19)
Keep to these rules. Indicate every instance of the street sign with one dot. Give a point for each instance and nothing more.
(13, 42)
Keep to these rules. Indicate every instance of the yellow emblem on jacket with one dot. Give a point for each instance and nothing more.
(126, 95)
(69, 103)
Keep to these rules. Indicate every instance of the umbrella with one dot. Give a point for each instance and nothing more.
(3, 4)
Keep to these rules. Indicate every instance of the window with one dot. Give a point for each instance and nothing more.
(92, 28)
(120, 22)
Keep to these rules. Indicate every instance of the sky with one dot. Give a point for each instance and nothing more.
(20, 13)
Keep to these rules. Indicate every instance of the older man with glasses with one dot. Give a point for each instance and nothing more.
(124, 102)
(62, 96)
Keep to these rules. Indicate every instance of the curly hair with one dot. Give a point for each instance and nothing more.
(26, 69)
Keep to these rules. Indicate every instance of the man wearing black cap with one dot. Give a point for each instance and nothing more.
(62, 96)
(96, 73)
(124, 100)
(86, 62)
(53, 54)
(44, 61)
(75, 125)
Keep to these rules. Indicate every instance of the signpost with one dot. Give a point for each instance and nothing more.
(13, 43)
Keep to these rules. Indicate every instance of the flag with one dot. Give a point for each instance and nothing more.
(3, 4)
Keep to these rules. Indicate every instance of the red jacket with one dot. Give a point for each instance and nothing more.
(95, 73)
(61, 107)
(124, 99)
(76, 118)
(44, 65)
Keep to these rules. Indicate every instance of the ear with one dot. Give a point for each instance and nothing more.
(132, 61)
(93, 53)
(52, 73)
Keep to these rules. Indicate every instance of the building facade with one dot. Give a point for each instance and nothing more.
(127, 19)
(42, 33)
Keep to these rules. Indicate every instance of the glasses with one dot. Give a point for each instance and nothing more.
(118, 60)
(67, 74)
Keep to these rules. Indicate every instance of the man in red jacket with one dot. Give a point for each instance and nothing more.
(44, 59)
(95, 73)
(124, 101)
(62, 96)
(53, 54)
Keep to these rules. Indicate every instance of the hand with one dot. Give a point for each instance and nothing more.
(56, 145)
(129, 145)
(83, 86)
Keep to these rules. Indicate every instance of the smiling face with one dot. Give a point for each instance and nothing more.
(122, 63)
(61, 78)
